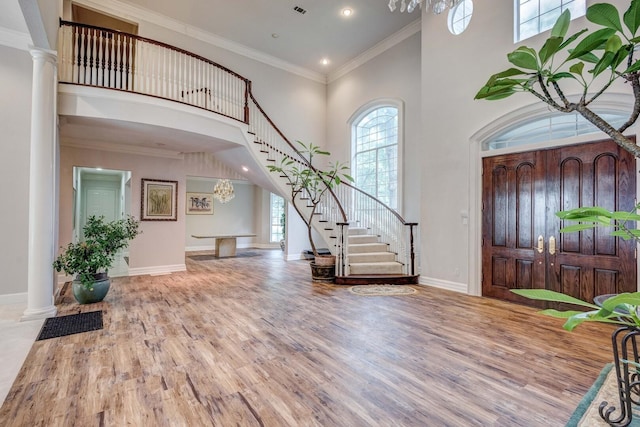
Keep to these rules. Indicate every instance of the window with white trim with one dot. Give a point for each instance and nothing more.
(277, 218)
(375, 153)
(537, 16)
(551, 127)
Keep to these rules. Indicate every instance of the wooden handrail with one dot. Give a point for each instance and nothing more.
(157, 43)
(395, 213)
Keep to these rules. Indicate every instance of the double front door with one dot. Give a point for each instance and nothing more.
(521, 243)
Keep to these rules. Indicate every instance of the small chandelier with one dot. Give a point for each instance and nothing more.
(223, 191)
(437, 6)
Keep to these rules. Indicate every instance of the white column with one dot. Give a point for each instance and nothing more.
(42, 186)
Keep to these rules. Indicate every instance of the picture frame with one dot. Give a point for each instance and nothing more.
(199, 203)
(159, 200)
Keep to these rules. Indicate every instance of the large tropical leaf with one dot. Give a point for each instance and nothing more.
(632, 17)
(631, 298)
(550, 48)
(524, 57)
(604, 14)
(595, 40)
(553, 296)
(561, 26)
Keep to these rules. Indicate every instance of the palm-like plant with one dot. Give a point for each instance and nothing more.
(308, 185)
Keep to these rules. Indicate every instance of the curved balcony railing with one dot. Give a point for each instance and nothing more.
(95, 56)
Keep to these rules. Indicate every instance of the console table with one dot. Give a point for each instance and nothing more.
(225, 243)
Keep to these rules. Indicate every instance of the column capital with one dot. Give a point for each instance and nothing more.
(45, 54)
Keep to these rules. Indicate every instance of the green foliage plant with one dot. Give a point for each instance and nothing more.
(599, 58)
(102, 240)
(308, 184)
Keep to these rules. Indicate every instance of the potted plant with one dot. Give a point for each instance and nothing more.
(307, 186)
(91, 259)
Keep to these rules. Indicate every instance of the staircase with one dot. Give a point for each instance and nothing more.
(380, 249)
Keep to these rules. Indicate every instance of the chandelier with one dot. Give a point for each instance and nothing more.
(437, 6)
(223, 191)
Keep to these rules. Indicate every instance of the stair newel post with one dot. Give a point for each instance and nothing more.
(341, 263)
(247, 90)
(411, 248)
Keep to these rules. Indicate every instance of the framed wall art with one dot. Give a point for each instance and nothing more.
(159, 200)
(199, 204)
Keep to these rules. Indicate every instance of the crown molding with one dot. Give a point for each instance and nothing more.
(15, 39)
(386, 44)
(135, 14)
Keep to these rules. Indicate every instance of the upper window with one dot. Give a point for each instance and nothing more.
(536, 16)
(375, 153)
(460, 16)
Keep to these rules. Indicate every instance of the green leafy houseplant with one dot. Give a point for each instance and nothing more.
(97, 252)
(308, 185)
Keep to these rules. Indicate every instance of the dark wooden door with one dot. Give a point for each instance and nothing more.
(521, 243)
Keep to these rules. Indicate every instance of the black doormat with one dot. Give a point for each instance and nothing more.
(55, 327)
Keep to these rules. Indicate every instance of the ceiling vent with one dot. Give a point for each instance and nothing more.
(300, 10)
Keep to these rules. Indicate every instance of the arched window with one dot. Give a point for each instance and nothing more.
(553, 126)
(375, 151)
(536, 16)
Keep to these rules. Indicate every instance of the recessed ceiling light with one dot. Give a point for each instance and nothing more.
(275, 35)
(246, 169)
(347, 12)
(324, 61)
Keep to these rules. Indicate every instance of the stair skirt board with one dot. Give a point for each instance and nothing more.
(371, 279)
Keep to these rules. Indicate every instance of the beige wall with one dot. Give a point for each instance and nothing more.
(15, 115)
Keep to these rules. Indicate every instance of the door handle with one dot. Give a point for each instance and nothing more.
(552, 245)
(540, 244)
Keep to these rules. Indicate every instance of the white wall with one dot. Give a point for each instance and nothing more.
(393, 74)
(15, 119)
(238, 216)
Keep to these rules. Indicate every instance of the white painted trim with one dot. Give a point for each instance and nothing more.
(157, 270)
(7, 299)
(135, 14)
(388, 43)
(444, 284)
(293, 257)
(612, 102)
(15, 39)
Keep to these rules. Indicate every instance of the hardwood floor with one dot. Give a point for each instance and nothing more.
(251, 341)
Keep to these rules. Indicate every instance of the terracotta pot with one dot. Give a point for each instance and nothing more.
(95, 293)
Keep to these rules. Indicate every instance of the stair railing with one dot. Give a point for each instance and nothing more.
(369, 212)
(95, 56)
(271, 143)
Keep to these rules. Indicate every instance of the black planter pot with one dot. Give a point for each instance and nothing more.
(323, 273)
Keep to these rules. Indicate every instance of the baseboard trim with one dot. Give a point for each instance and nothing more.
(293, 257)
(445, 284)
(20, 298)
(157, 270)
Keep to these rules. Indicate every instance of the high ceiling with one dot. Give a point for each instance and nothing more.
(302, 39)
